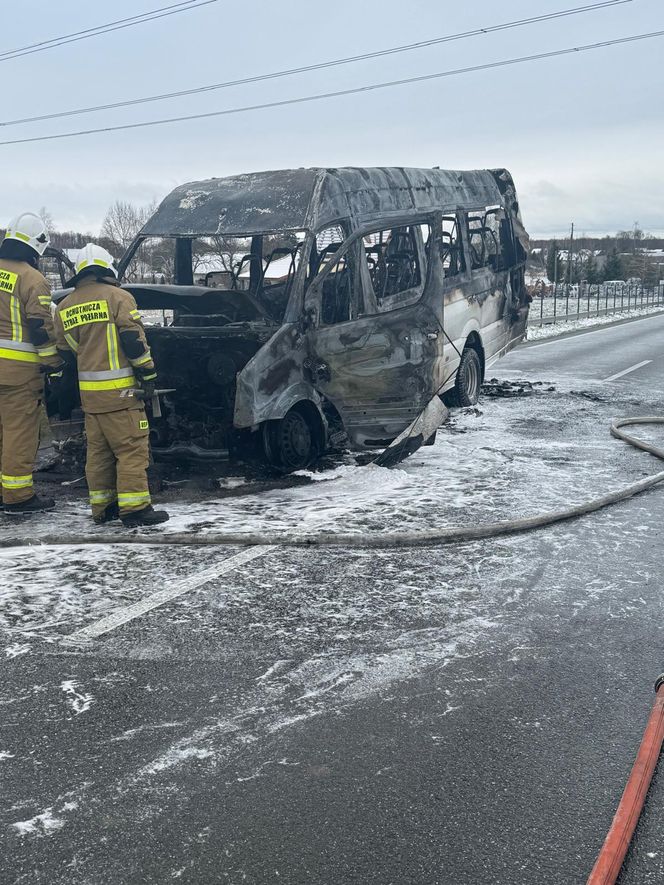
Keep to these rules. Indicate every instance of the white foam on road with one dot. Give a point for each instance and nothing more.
(198, 579)
(40, 825)
(77, 700)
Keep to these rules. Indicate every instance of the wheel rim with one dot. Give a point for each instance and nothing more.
(472, 379)
(295, 441)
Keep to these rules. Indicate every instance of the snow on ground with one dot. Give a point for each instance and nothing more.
(552, 329)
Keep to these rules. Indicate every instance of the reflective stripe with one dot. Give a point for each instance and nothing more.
(20, 236)
(142, 360)
(47, 351)
(18, 345)
(134, 314)
(19, 351)
(133, 498)
(112, 342)
(17, 482)
(88, 263)
(150, 377)
(107, 385)
(72, 342)
(18, 356)
(45, 300)
(17, 325)
(106, 374)
(103, 496)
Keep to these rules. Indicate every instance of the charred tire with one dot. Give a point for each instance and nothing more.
(468, 383)
(290, 443)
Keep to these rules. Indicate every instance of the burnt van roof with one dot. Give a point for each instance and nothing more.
(309, 199)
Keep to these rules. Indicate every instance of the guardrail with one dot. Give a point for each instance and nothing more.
(584, 300)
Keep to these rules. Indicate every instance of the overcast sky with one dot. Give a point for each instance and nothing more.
(583, 135)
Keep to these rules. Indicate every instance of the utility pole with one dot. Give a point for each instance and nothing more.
(570, 258)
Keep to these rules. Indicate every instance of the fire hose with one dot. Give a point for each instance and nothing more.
(612, 855)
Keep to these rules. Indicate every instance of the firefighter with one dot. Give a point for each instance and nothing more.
(99, 328)
(27, 353)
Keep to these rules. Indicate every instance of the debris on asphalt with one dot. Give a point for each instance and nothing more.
(502, 388)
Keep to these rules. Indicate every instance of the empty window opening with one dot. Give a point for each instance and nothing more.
(451, 247)
(393, 260)
(489, 239)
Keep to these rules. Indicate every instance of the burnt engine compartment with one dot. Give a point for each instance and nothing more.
(200, 362)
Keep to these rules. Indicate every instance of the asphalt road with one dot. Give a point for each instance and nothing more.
(600, 353)
(454, 715)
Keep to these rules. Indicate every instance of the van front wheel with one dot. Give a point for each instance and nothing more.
(289, 443)
(468, 381)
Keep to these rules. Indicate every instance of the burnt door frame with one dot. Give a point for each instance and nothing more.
(378, 369)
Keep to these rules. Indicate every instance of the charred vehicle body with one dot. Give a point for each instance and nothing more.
(357, 295)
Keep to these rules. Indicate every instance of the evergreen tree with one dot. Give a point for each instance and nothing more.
(551, 255)
(613, 269)
(591, 271)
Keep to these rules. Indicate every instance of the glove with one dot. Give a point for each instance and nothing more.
(61, 391)
(147, 390)
(148, 381)
(52, 371)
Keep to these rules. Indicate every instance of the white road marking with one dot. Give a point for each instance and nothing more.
(123, 615)
(627, 371)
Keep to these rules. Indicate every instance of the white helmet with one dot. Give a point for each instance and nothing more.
(30, 229)
(94, 256)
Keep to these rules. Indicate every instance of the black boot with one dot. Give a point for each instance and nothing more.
(109, 514)
(147, 516)
(32, 505)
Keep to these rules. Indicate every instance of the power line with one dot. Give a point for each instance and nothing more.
(342, 92)
(120, 24)
(320, 66)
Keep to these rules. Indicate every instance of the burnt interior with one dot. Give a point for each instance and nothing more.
(198, 356)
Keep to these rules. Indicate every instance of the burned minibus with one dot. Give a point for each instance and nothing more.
(340, 303)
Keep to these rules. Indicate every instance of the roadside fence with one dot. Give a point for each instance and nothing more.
(566, 303)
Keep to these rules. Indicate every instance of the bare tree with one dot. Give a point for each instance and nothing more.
(219, 255)
(227, 249)
(121, 224)
(123, 221)
(47, 218)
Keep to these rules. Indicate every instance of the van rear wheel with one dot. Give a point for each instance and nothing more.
(289, 443)
(468, 383)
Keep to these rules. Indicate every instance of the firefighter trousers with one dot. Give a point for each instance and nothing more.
(20, 417)
(117, 460)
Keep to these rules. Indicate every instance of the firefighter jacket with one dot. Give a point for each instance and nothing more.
(100, 324)
(27, 338)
